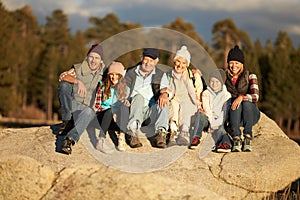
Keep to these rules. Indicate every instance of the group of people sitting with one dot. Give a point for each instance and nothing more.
(177, 103)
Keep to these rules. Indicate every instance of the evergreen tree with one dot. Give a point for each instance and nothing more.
(8, 65)
(225, 36)
(107, 27)
(56, 39)
(27, 52)
(279, 95)
(188, 29)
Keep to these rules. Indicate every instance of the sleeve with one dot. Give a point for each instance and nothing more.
(165, 83)
(70, 72)
(206, 105)
(97, 104)
(253, 96)
(226, 105)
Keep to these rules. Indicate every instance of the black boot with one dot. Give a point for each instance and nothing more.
(67, 125)
(67, 146)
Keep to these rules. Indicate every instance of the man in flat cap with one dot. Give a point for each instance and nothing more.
(149, 99)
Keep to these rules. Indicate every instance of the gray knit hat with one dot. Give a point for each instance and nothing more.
(97, 48)
(218, 74)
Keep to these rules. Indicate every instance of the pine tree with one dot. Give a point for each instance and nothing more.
(278, 94)
(225, 36)
(115, 48)
(56, 39)
(8, 65)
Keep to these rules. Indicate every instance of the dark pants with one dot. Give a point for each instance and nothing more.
(107, 122)
(246, 115)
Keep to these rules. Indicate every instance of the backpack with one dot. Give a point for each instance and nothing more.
(192, 77)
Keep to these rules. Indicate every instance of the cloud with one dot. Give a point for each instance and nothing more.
(261, 19)
(294, 29)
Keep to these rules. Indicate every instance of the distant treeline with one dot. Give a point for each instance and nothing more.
(34, 55)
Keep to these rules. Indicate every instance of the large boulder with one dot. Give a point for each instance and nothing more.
(31, 167)
(24, 178)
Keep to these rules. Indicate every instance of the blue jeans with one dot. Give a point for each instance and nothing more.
(246, 115)
(65, 97)
(83, 117)
(139, 113)
(201, 123)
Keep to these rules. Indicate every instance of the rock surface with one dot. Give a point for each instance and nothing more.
(31, 167)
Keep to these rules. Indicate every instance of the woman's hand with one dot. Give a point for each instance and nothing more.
(237, 102)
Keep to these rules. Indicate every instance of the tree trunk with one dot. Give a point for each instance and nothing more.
(289, 126)
(49, 102)
(297, 127)
(226, 50)
(50, 95)
(280, 122)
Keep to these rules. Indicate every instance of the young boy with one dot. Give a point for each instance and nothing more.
(212, 115)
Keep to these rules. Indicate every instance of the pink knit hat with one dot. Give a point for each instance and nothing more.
(116, 67)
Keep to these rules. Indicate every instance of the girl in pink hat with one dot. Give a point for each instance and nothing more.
(112, 106)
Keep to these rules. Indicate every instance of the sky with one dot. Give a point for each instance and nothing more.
(262, 19)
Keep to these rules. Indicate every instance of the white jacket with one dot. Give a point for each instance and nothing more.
(216, 105)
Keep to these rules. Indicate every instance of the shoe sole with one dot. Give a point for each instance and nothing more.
(193, 147)
(236, 150)
(121, 149)
(247, 150)
(223, 150)
(136, 145)
(161, 145)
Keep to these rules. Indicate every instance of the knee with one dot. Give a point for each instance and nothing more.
(202, 118)
(138, 98)
(247, 106)
(89, 111)
(65, 87)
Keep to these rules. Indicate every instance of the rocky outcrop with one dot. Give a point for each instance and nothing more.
(31, 167)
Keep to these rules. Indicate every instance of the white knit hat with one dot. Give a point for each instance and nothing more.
(184, 53)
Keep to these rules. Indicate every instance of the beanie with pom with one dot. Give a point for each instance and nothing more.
(184, 53)
(235, 54)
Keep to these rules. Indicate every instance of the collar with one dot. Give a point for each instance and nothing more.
(140, 73)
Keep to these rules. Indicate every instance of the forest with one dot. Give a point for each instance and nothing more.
(34, 55)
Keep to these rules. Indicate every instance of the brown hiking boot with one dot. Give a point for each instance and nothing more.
(134, 141)
(160, 138)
